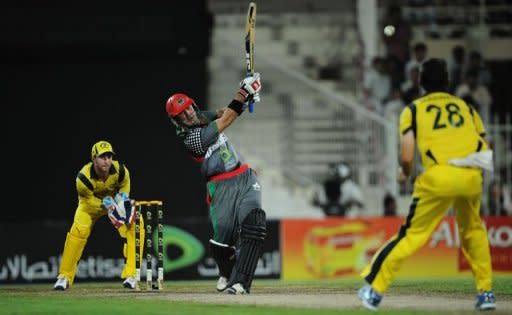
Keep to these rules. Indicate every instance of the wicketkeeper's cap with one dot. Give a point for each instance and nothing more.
(100, 148)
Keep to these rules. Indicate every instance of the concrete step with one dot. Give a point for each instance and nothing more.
(315, 135)
(313, 158)
(320, 147)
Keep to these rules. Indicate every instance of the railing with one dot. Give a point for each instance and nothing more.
(500, 138)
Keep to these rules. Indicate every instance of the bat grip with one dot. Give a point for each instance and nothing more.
(251, 102)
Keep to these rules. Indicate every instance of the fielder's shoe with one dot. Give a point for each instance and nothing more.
(370, 298)
(129, 283)
(236, 288)
(485, 301)
(62, 283)
(222, 284)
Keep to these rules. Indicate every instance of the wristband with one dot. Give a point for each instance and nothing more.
(244, 93)
(237, 106)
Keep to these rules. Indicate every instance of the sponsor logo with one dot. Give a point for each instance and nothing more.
(221, 141)
(21, 267)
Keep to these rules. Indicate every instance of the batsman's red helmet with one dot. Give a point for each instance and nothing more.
(177, 103)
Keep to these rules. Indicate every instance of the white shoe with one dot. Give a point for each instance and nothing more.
(236, 288)
(129, 283)
(62, 283)
(222, 284)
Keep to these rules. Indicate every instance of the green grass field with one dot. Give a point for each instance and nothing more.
(267, 297)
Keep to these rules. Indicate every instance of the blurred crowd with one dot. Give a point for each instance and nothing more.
(339, 195)
(393, 80)
(391, 83)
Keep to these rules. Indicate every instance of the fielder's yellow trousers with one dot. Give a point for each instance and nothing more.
(437, 190)
(76, 239)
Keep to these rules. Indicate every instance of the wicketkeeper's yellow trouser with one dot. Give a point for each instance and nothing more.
(76, 239)
(435, 191)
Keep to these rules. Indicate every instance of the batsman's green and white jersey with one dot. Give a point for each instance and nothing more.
(233, 188)
(211, 148)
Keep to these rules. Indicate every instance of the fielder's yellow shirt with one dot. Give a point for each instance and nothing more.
(91, 190)
(444, 126)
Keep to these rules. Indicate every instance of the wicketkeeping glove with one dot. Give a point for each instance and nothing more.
(114, 216)
(120, 209)
(108, 203)
(250, 88)
(125, 207)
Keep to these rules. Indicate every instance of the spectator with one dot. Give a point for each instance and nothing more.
(397, 35)
(420, 54)
(394, 105)
(499, 199)
(411, 88)
(339, 195)
(456, 67)
(476, 62)
(507, 198)
(479, 94)
(389, 205)
(377, 84)
(495, 202)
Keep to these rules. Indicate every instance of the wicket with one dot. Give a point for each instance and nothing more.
(147, 208)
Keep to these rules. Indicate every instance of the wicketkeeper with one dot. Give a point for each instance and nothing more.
(234, 194)
(103, 187)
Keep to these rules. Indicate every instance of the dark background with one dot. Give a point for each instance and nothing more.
(74, 75)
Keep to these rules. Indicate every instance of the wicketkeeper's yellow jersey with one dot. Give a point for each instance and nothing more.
(91, 190)
(444, 126)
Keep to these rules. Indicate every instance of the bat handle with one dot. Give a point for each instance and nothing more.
(251, 102)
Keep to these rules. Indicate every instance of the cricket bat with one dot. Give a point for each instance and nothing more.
(250, 26)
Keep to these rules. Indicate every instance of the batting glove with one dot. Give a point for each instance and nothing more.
(256, 97)
(250, 86)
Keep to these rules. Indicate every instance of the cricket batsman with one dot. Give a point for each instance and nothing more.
(233, 190)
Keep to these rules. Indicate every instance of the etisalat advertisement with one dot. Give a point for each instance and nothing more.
(35, 257)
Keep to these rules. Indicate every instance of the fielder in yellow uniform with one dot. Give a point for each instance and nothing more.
(449, 136)
(97, 184)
